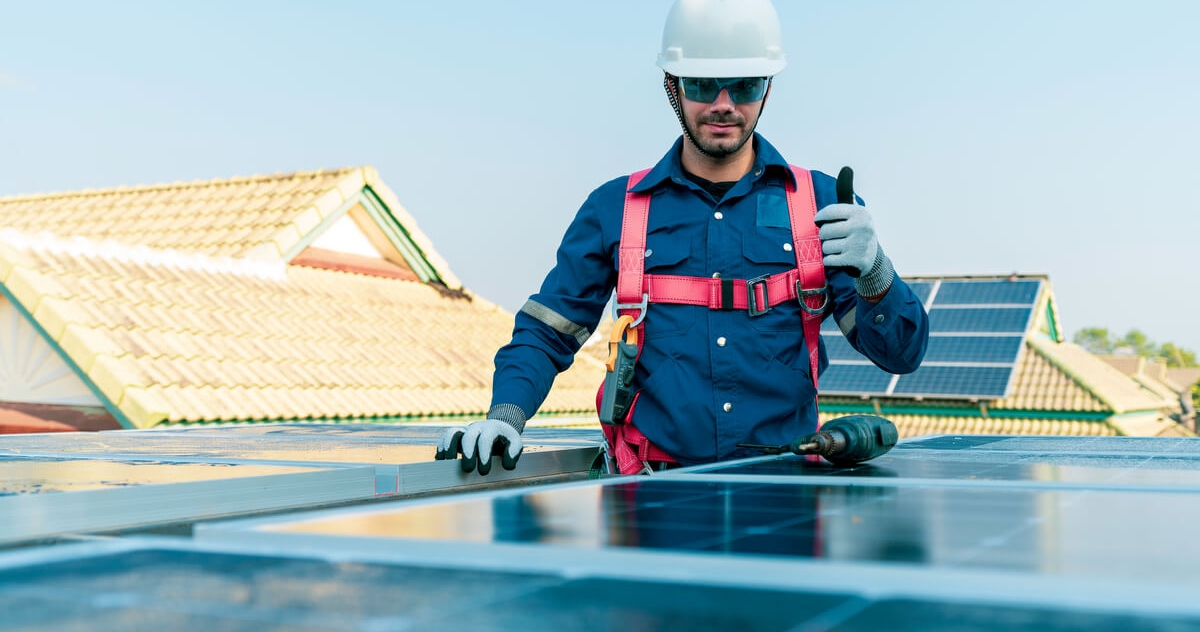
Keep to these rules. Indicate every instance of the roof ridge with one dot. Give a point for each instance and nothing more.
(142, 254)
(179, 184)
(1041, 347)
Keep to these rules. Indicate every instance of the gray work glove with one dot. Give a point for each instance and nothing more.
(848, 241)
(479, 442)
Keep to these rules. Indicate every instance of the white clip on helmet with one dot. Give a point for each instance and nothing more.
(722, 38)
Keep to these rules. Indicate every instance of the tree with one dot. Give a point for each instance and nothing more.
(1098, 341)
(1136, 343)
(1095, 339)
(1176, 357)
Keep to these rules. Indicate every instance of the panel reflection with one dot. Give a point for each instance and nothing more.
(1048, 531)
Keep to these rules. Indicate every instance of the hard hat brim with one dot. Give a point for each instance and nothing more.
(722, 68)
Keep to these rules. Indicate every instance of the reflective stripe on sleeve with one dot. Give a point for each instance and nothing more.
(555, 321)
(846, 323)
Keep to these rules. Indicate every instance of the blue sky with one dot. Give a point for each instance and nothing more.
(986, 136)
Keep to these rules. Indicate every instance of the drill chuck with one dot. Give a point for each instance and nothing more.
(849, 440)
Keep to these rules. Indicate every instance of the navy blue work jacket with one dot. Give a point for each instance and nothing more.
(709, 379)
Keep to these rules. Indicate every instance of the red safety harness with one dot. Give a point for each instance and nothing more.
(631, 450)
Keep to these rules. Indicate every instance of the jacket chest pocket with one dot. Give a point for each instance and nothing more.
(769, 251)
(668, 253)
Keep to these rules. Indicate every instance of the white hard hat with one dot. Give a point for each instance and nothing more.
(722, 38)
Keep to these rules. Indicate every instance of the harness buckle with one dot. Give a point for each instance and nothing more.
(802, 294)
(752, 306)
(641, 307)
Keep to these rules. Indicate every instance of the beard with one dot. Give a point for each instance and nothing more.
(723, 147)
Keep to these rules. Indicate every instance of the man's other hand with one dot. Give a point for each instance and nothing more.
(479, 442)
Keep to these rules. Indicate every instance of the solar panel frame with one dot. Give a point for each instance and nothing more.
(403, 463)
(38, 499)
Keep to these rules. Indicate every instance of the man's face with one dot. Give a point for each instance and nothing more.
(721, 127)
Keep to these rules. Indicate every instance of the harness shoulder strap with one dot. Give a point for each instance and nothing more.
(806, 241)
(631, 263)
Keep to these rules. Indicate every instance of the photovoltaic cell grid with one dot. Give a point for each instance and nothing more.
(167, 589)
(977, 330)
(1039, 531)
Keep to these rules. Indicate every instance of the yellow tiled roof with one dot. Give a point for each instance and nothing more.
(258, 217)
(168, 337)
(1039, 384)
(1115, 390)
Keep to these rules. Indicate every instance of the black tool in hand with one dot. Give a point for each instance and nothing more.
(844, 441)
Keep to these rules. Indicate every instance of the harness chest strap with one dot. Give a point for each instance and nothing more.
(636, 290)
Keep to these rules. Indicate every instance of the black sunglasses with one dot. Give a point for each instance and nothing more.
(741, 89)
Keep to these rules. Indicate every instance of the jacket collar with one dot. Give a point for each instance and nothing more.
(766, 159)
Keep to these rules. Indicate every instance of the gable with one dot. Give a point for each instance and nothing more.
(31, 370)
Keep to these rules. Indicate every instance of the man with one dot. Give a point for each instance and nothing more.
(708, 377)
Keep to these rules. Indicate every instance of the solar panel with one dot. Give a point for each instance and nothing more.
(979, 349)
(987, 320)
(977, 330)
(921, 289)
(1059, 532)
(963, 381)
(838, 348)
(987, 292)
(177, 587)
(951, 368)
(854, 379)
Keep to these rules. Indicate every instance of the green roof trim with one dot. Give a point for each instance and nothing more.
(399, 236)
(41, 331)
(1052, 322)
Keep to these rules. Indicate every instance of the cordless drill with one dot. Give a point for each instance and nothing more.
(844, 441)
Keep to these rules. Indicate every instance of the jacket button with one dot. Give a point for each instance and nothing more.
(649, 252)
(787, 247)
(878, 318)
(716, 275)
(727, 407)
(718, 215)
(721, 341)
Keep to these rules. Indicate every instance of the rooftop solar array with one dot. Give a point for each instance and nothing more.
(965, 533)
(1026, 535)
(976, 335)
